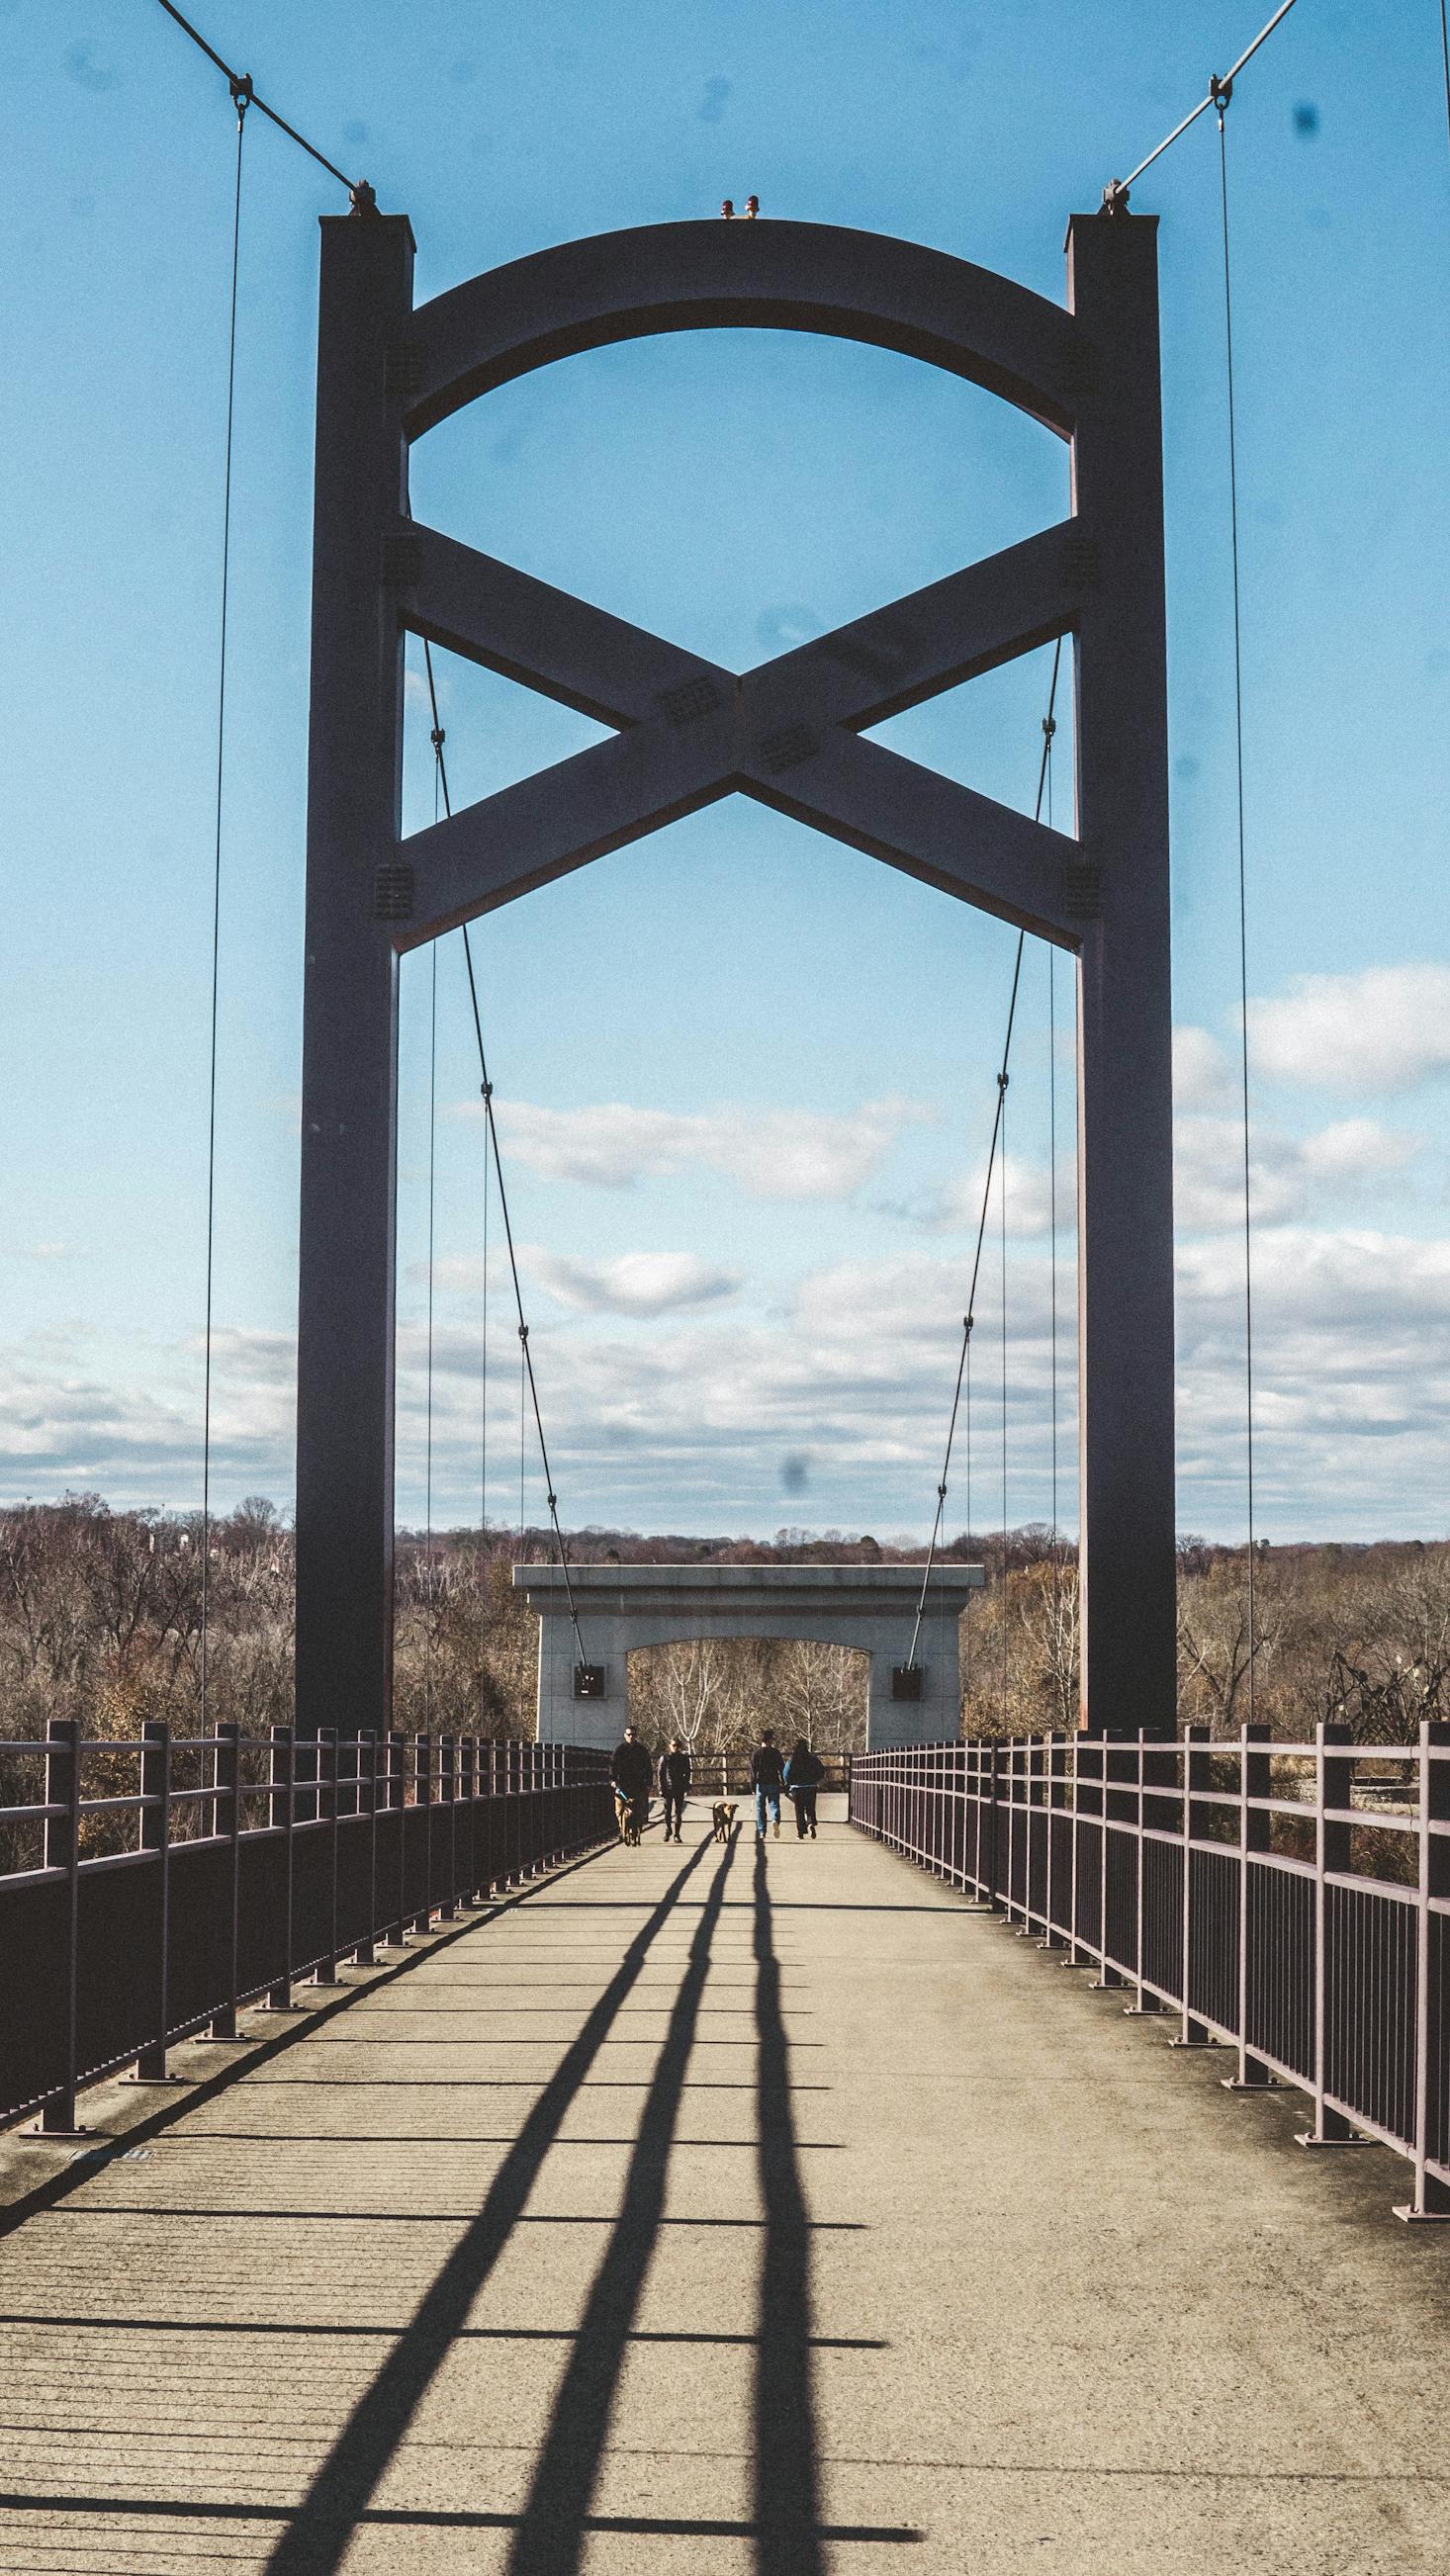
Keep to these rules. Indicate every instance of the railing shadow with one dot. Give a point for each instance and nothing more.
(787, 2459)
(320, 2532)
(556, 2517)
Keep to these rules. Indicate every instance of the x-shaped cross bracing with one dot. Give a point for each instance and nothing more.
(789, 733)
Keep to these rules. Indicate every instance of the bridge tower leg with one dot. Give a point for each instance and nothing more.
(1125, 1109)
(350, 994)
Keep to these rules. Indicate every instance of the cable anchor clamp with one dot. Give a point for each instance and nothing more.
(1049, 726)
(240, 85)
(438, 737)
(1220, 91)
(523, 1332)
(363, 198)
(485, 1091)
(1002, 1081)
(1115, 200)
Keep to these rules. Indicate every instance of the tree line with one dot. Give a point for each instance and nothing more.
(101, 1620)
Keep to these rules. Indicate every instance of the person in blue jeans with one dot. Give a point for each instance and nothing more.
(767, 1772)
(804, 1773)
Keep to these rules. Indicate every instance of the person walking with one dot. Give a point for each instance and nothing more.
(804, 1773)
(632, 1773)
(674, 1785)
(767, 1772)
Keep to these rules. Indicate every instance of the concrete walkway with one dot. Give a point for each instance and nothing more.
(709, 2211)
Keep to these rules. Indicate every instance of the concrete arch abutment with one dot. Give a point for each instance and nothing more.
(870, 1607)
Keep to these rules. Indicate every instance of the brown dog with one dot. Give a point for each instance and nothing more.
(724, 1814)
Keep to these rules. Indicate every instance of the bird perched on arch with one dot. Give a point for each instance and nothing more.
(727, 209)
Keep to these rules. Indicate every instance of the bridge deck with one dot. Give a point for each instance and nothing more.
(716, 2211)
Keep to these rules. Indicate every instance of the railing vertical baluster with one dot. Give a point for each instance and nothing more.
(467, 1799)
(1333, 1787)
(155, 1837)
(1430, 2202)
(423, 1797)
(63, 1852)
(227, 1774)
(325, 1973)
(447, 1793)
(1256, 1826)
(1192, 2033)
(363, 1954)
(284, 1787)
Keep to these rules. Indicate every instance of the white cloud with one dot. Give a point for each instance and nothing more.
(635, 1283)
(1289, 1175)
(771, 1154)
(1383, 1029)
(41, 1251)
(1202, 1078)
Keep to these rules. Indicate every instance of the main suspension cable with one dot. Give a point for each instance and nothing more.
(969, 1319)
(1223, 91)
(1115, 194)
(241, 99)
(240, 83)
(486, 1088)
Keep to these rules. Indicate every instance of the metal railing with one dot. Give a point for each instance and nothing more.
(1290, 1901)
(286, 1854)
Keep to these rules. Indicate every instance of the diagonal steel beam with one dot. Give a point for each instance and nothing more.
(522, 627)
(559, 819)
(931, 828)
(933, 639)
(691, 732)
(860, 674)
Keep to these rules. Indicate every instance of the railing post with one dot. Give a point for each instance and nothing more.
(1192, 2033)
(363, 1955)
(1430, 2205)
(447, 1792)
(1333, 1787)
(63, 1852)
(155, 1837)
(284, 1787)
(423, 1797)
(1256, 1833)
(227, 1774)
(397, 1804)
(993, 1794)
(1074, 1746)
(325, 1973)
(468, 1796)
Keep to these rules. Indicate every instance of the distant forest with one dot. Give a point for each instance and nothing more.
(101, 1611)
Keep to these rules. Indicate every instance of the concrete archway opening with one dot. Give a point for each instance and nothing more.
(914, 1678)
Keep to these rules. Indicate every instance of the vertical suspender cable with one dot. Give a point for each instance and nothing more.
(529, 1392)
(483, 1372)
(428, 1437)
(1002, 1213)
(241, 93)
(1221, 92)
(1049, 728)
(969, 1319)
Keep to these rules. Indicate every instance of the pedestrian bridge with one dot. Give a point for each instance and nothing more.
(765, 2208)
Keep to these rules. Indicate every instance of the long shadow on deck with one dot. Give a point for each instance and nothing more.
(319, 2533)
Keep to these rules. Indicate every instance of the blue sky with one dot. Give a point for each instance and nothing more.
(744, 1076)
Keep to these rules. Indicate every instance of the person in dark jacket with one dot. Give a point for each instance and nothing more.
(804, 1773)
(674, 1785)
(767, 1771)
(632, 1773)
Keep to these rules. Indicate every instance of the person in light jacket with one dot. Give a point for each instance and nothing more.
(804, 1773)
